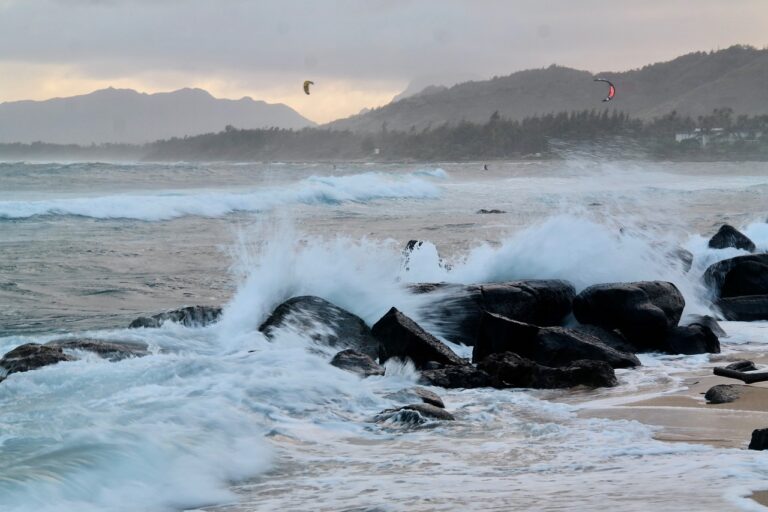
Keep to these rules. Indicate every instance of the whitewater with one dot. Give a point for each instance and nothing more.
(219, 418)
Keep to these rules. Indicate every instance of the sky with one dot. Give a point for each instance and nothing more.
(359, 53)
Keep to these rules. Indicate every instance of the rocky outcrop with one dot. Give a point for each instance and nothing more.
(643, 311)
(456, 309)
(31, 356)
(723, 393)
(739, 276)
(691, 339)
(744, 309)
(357, 362)
(190, 316)
(401, 337)
(550, 346)
(509, 370)
(325, 323)
(728, 236)
(112, 350)
(464, 377)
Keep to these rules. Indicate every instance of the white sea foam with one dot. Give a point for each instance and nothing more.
(215, 203)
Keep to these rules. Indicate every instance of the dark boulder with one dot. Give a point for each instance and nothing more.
(456, 309)
(742, 366)
(759, 439)
(414, 414)
(401, 337)
(613, 338)
(728, 236)
(325, 323)
(415, 394)
(705, 321)
(112, 350)
(466, 377)
(691, 339)
(190, 316)
(723, 393)
(550, 346)
(748, 276)
(643, 311)
(357, 362)
(509, 370)
(744, 309)
(31, 356)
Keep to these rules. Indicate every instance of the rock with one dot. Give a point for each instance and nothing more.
(325, 323)
(742, 366)
(414, 414)
(414, 246)
(705, 321)
(510, 370)
(550, 346)
(190, 316)
(357, 362)
(466, 377)
(748, 276)
(759, 439)
(723, 393)
(456, 309)
(684, 256)
(417, 393)
(728, 236)
(744, 309)
(643, 311)
(31, 356)
(691, 339)
(112, 350)
(612, 338)
(401, 337)
(483, 211)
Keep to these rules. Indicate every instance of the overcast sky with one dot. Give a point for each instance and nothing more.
(359, 53)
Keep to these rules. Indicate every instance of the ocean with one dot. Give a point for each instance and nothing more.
(219, 418)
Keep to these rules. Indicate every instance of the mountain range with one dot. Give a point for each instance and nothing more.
(126, 116)
(693, 84)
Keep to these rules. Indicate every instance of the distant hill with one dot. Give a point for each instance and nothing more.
(692, 84)
(127, 116)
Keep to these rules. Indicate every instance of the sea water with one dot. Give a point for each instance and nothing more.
(219, 417)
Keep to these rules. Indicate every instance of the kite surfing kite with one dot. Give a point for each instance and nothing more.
(611, 88)
(307, 83)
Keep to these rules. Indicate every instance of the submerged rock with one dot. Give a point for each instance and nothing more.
(509, 370)
(723, 393)
(728, 236)
(483, 211)
(456, 309)
(401, 337)
(643, 311)
(357, 362)
(189, 316)
(325, 323)
(550, 346)
(684, 256)
(31, 356)
(749, 308)
(417, 393)
(415, 414)
(112, 350)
